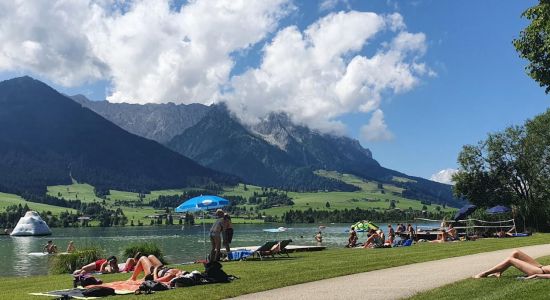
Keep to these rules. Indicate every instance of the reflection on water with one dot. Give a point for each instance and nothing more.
(178, 244)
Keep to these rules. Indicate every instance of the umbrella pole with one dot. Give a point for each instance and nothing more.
(204, 235)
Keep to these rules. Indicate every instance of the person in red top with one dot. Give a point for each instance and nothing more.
(102, 265)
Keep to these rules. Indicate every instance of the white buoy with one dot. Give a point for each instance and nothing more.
(31, 225)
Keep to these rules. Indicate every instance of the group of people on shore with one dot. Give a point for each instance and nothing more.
(377, 237)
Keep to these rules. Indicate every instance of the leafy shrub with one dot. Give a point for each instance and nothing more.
(145, 249)
(68, 263)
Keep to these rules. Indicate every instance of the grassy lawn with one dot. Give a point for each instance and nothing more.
(10, 199)
(506, 287)
(302, 267)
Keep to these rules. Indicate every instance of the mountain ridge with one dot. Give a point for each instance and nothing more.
(156, 121)
(46, 136)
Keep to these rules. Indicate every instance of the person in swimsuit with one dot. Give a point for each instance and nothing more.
(50, 248)
(352, 239)
(520, 261)
(103, 265)
(154, 270)
(70, 247)
(373, 240)
(227, 233)
(216, 236)
(452, 233)
(391, 234)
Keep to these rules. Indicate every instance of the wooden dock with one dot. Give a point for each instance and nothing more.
(289, 248)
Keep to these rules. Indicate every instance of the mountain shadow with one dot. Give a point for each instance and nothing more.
(45, 138)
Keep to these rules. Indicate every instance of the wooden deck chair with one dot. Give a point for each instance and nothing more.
(265, 249)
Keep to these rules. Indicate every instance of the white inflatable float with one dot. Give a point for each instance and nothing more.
(31, 225)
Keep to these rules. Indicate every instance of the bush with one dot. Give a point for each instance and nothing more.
(68, 263)
(145, 249)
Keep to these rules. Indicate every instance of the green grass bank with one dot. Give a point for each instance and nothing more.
(258, 276)
(505, 287)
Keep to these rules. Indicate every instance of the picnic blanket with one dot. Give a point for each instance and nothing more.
(120, 287)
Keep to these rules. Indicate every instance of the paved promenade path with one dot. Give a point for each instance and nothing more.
(412, 278)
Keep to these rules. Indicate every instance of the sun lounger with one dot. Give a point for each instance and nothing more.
(265, 250)
(281, 247)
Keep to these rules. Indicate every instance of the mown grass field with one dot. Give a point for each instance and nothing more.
(10, 199)
(302, 267)
(505, 287)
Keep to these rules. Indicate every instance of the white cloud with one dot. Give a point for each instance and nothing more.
(331, 4)
(318, 75)
(150, 51)
(376, 129)
(444, 176)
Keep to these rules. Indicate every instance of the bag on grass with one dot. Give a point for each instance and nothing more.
(85, 280)
(98, 291)
(152, 286)
(214, 273)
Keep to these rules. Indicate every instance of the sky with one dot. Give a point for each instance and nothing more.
(413, 81)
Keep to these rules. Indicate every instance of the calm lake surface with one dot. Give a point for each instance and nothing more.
(178, 244)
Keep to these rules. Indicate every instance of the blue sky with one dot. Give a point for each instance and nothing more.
(479, 84)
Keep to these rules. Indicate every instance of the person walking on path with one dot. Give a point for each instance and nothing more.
(227, 233)
(216, 236)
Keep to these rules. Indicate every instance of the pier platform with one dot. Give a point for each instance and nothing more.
(289, 248)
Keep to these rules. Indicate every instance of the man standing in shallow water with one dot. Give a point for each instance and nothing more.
(50, 248)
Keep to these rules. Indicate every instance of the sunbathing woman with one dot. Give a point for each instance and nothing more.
(103, 265)
(154, 270)
(522, 262)
(374, 240)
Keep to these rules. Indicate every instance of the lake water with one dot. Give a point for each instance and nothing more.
(179, 244)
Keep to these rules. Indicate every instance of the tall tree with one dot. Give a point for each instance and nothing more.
(512, 168)
(533, 43)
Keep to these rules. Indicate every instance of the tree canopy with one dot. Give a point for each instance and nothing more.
(533, 43)
(511, 167)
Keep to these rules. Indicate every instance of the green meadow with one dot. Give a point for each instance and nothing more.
(372, 195)
(10, 199)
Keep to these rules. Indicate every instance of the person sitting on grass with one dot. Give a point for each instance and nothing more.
(522, 262)
(374, 240)
(154, 270)
(102, 265)
(441, 236)
(452, 233)
(352, 239)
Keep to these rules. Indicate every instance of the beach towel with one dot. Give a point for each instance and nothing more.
(120, 287)
(239, 254)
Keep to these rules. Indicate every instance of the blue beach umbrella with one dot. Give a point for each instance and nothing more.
(202, 203)
(499, 209)
(464, 212)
